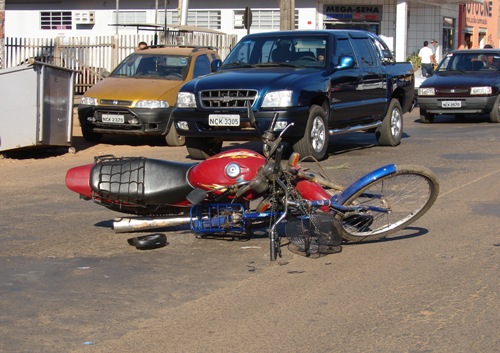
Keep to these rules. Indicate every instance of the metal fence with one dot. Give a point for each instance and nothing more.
(92, 56)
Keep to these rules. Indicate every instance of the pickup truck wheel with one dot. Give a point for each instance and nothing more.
(495, 114)
(315, 141)
(173, 138)
(391, 130)
(91, 136)
(202, 148)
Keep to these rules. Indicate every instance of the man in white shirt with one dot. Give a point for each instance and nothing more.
(426, 56)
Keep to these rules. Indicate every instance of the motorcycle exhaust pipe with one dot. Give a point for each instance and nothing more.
(127, 224)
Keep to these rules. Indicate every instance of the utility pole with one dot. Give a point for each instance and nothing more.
(287, 14)
(2, 33)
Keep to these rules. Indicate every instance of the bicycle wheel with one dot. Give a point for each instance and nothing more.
(408, 194)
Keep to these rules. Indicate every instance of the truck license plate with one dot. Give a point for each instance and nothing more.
(113, 118)
(451, 104)
(224, 120)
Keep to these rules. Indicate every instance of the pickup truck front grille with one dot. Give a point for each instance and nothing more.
(231, 98)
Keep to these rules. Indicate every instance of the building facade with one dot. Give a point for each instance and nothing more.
(404, 25)
(479, 24)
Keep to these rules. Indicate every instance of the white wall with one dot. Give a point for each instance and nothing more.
(425, 20)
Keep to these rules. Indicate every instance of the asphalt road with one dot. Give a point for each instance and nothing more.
(68, 283)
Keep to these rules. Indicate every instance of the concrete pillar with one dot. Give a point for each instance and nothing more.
(401, 30)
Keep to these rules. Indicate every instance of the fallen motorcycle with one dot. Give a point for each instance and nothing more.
(233, 191)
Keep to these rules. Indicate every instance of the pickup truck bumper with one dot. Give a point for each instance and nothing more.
(136, 121)
(198, 126)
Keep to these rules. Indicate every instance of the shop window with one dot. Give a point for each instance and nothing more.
(55, 20)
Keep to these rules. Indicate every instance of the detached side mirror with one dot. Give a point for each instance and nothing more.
(215, 65)
(345, 62)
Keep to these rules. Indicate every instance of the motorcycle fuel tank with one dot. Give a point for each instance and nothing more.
(226, 168)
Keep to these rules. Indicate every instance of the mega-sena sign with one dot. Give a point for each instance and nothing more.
(352, 12)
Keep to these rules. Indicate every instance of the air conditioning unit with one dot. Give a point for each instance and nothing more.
(84, 17)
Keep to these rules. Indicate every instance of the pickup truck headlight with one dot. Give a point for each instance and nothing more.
(186, 100)
(428, 91)
(278, 99)
(480, 90)
(151, 104)
(89, 100)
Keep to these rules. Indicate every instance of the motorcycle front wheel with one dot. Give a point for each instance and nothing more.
(407, 193)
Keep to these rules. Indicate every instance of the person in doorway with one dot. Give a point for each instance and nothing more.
(142, 46)
(435, 50)
(426, 56)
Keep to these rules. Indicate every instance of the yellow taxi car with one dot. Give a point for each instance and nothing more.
(139, 95)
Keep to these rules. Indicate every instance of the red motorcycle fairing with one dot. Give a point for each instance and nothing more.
(226, 168)
(312, 191)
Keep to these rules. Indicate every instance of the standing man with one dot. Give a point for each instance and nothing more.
(426, 56)
(435, 48)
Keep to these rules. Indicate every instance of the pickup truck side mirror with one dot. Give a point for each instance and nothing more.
(345, 62)
(215, 65)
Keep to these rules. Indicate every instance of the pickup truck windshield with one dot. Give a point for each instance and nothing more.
(168, 67)
(300, 51)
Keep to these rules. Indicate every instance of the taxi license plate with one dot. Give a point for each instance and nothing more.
(224, 120)
(451, 104)
(113, 118)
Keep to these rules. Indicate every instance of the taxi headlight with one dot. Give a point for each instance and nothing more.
(88, 100)
(480, 90)
(151, 104)
(427, 91)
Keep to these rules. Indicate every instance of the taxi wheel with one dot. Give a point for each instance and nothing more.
(426, 118)
(495, 114)
(89, 135)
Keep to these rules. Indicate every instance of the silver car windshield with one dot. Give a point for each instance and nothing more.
(470, 61)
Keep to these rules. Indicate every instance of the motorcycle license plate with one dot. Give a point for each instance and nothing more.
(451, 104)
(224, 120)
(113, 118)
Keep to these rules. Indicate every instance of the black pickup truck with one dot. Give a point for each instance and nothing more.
(325, 82)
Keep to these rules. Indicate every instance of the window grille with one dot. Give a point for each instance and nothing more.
(262, 19)
(55, 20)
(200, 18)
(130, 17)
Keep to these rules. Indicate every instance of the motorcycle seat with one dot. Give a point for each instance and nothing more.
(140, 180)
